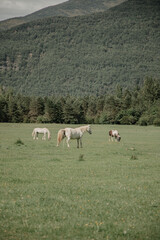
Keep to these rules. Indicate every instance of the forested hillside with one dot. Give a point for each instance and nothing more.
(70, 8)
(87, 55)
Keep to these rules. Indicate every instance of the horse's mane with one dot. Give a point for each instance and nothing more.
(83, 128)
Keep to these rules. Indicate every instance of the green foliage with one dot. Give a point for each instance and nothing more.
(134, 157)
(19, 142)
(156, 122)
(140, 109)
(84, 56)
(81, 157)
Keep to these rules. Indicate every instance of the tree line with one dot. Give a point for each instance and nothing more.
(141, 105)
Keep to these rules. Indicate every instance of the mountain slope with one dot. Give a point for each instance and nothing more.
(86, 55)
(70, 8)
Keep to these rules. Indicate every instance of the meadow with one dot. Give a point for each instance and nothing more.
(106, 190)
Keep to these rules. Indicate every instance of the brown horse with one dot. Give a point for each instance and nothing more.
(114, 134)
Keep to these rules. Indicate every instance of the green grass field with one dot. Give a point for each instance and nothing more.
(105, 190)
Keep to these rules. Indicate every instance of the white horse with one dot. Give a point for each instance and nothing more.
(72, 133)
(44, 131)
(114, 134)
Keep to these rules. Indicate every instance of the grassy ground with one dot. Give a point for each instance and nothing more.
(105, 190)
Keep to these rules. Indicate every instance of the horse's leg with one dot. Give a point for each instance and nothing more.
(68, 142)
(37, 136)
(77, 143)
(81, 142)
(44, 137)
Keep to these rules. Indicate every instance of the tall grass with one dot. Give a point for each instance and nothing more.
(105, 190)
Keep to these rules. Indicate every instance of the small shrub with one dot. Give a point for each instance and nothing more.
(156, 122)
(19, 142)
(128, 120)
(143, 121)
(134, 157)
(42, 119)
(81, 157)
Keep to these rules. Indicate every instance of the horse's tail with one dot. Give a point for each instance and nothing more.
(60, 136)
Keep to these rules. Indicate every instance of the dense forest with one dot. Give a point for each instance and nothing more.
(85, 55)
(139, 106)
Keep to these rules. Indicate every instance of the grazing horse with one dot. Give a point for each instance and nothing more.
(72, 133)
(44, 131)
(114, 134)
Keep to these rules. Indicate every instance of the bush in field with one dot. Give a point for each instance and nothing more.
(143, 121)
(19, 142)
(81, 157)
(156, 122)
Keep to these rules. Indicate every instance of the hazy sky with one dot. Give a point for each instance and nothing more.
(20, 8)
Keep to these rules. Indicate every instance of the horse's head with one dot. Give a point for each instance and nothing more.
(89, 129)
(118, 138)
